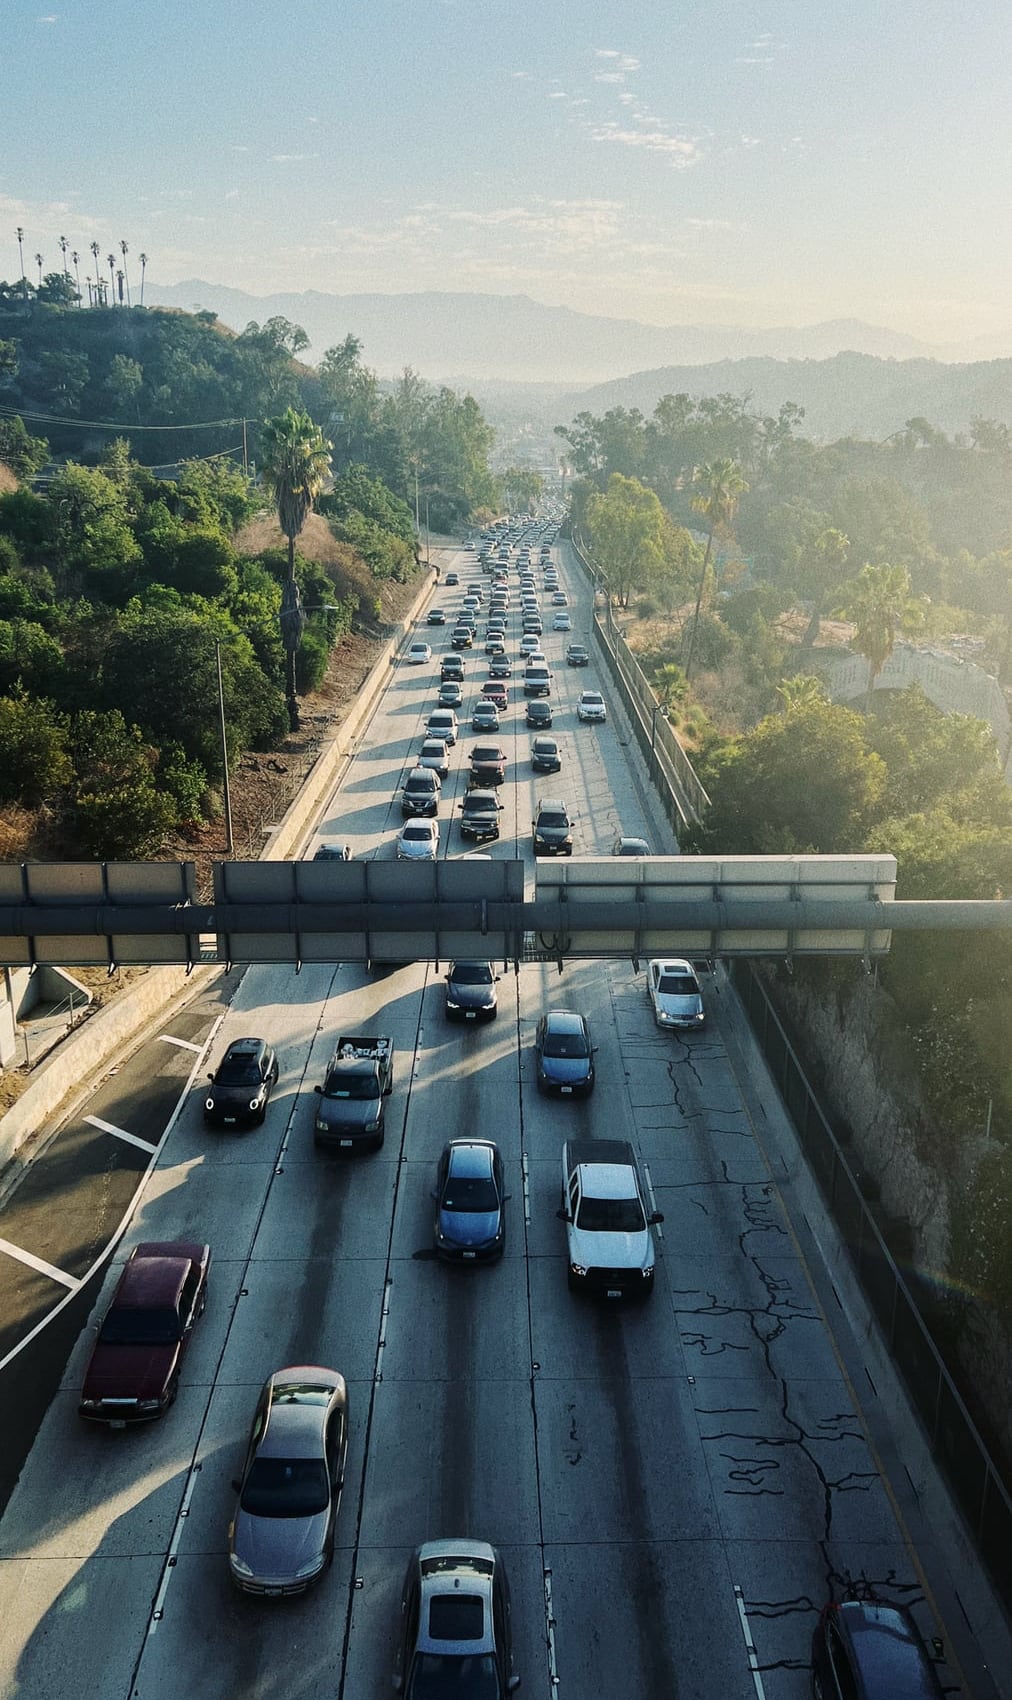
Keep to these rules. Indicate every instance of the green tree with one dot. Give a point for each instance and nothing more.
(23, 453)
(881, 606)
(97, 550)
(118, 810)
(296, 465)
(720, 486)
(34, 763)
(822, 565)
(802, 692)
(522, 488)
(30, 657)
(628, 531)
(801, 782)
(936, 760)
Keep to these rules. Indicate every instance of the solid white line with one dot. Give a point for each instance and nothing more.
(106, 1253)
(553, 1668)
(121, 1133)
(658, 1230)
(40, 1264)
(184, 1044)
(526, 1188)
(753, 1657)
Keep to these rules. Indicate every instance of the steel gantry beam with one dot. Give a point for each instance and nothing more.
(117, 913)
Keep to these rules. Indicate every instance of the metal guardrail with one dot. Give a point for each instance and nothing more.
(664, 754)
(951, 1432)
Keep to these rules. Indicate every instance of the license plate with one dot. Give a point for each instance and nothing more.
(229, 1121)
(469, 1015)
(614, 1293)
(272, 1593)
(566, 1091)
(118, 1422)
(344, 1142)
(469, 1254)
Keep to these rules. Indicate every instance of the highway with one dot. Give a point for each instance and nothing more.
(670, 1485)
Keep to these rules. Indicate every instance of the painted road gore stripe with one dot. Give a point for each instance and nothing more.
(121, 1133)
(40, 1264)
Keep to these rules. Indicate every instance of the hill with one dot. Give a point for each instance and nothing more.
(456, 337)
(850, 394)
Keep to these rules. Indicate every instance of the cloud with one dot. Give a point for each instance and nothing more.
(623, 61)
(232, 195)
(292, 158)
(49, 18)
(521, 76)
(683, 151)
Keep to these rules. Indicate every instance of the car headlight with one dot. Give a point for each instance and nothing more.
(578, 1269)
(209, 1103)
(149, 1404)
(238, 1566)
(91, 1404)
(648, 1272)
(254, 1103)
(305, 1571)
(321, 1125)
(451, 1005)
(372, 1127)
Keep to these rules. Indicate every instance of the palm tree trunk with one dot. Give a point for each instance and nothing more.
(699, 602)
(290, 696)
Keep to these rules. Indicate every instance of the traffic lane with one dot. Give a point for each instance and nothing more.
(63, 1597)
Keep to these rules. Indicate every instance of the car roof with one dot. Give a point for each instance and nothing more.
(423, 775)
(887, 1649)
(300, 1398)
(471, 1158)
(564, 1021)
(147, 1282)
(245, 1050)
(544, 742)
(552, 803)
(455, 1568)
(672, 965)
(481, 799)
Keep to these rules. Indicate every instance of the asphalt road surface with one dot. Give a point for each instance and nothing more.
(676, 1488)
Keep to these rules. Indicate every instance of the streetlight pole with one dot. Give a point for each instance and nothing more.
(226, 793)
(428, 563)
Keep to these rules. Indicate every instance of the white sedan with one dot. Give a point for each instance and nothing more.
(418, 841)
(591, 706)
(562, 623)
(674, 991)
(419, 653)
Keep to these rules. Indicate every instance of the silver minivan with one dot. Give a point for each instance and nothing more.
(442, 723)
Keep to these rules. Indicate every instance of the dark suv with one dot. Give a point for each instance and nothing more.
(552, 828)
(421, 792)
(480, 813)
(242, 1084)
(871, 1650)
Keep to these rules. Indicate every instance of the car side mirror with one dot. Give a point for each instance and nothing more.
(433, 1193)
(938, 1646)
(498, 978)
(506, 1197)
(595, 1049)
(658, 1216)
(512, 1685)
(210, 1077)
(563, 1216)
(318, 1089)
(236, 1484)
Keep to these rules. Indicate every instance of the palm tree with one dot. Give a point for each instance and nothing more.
(823, 565)
(879, 602)
(98, 279)
(296, 463)
(38, 262)
(110, 260)
(21, 251)
(124, 251)
(802, 691)
(721, 487)
(144, 262)
(64, 245)
(75, 256)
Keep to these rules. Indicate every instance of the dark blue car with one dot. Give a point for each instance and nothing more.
(470, 1223)
(564, 1055)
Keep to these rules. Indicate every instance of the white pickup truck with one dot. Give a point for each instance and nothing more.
(611, 1248)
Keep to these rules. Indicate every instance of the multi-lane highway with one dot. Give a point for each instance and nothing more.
(676, 1489)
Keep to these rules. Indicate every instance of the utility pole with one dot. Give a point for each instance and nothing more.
(21, 251)
(226, 793)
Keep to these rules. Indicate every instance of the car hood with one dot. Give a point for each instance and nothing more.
(566, 1071)
(471, 997)
(613, 1251)
(687, 1007)
(276, 1547)
(129, 1372)
(468, 1227)
(420, 850)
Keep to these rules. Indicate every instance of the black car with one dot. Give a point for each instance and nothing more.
(455, 1628)
(461, 637)
(564, 1055)
(470, 1224)
(500, 667)
(436, 617)
(421, 792)
(242, 1084)
(625, 846)
(545, 757)
(480, 812)
(470, 992)
(552, 829)
(871, 1650)
(332, 850)
(539, 713)
(577, 656)
(451, 667)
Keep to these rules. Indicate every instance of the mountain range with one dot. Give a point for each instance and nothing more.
(459, 338)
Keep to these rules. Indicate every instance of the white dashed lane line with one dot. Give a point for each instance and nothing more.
(121, 1133)
(40, 1265)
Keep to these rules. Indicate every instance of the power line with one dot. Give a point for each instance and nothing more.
(103, 425)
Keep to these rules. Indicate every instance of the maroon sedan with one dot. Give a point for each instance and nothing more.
(133, 1374)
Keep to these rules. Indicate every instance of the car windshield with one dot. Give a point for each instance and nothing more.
(478, 804)
(356, 1086)
(610, 1216)
(565, 1045)
(487, 752)
(417, 834)
(552, 818)
(241, 1071)
(286, 1487)
(470, 1194)
(677, 985)
(448, 1676)
(472, 974)
(126, 1327)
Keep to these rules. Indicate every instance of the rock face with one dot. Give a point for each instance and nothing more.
(869, 1087)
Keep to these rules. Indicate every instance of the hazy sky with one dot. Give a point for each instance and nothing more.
(758, 162)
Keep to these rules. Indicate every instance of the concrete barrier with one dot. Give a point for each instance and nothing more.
(118, 1027)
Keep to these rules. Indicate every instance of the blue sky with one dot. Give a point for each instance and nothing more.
(675, 161)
